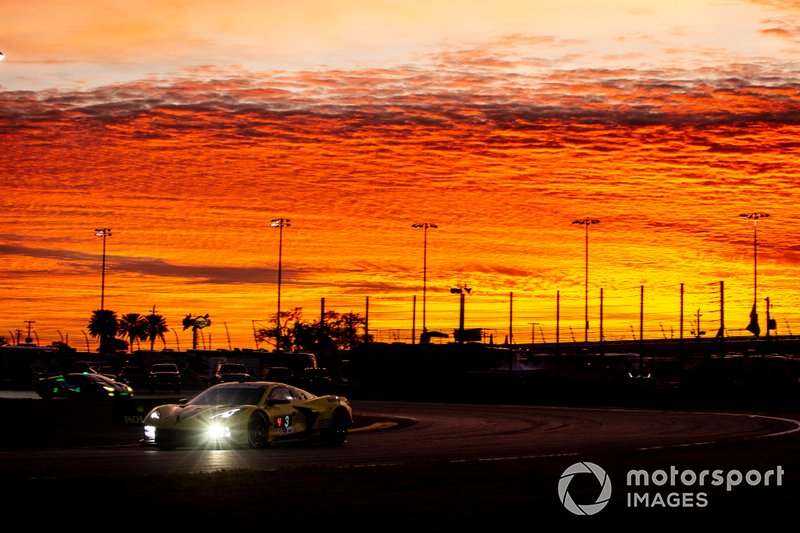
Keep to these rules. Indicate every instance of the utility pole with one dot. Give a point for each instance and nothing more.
(510, 318)
(533, 333)
(680, 337)
(768, 319)
(721, 331)
(414, 321)
(602, 346)
(29, 339)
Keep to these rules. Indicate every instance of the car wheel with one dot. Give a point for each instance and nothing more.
(257, 431)
(337, 434)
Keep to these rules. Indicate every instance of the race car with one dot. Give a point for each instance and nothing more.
(82, 385)
(253, 414)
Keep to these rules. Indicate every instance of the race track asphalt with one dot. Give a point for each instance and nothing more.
(500, 496)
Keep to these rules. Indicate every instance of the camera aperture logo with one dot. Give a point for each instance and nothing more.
(584, 468)
(661, 488)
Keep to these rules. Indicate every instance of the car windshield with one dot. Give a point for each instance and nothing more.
(164, 368)
(232, 369)
(229, 396)
(75, 378)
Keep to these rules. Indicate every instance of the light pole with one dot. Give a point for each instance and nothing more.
(461, 290)
(279, 223)
(104, 233)
(424, 226)
(753, 327)
(586, 221)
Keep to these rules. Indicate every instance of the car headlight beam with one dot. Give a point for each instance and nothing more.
(217, 432)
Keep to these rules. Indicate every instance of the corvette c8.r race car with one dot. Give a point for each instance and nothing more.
(252, 414)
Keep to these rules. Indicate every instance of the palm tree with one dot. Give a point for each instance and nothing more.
(103, 324)
(196, 323)
(156, 327)
(134, 326)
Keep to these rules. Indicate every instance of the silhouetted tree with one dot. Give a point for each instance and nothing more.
(355, 331)
(288, 319)
(306, 336)
(337, 332)
(133, 326)
(103, 324)
(156, 327)
(342, 331)
(196, 323)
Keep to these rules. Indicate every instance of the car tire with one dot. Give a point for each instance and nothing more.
(340, 424)
(165, 445)
(257, 431)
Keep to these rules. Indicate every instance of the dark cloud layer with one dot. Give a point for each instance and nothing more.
(150, 267)
(473, 92)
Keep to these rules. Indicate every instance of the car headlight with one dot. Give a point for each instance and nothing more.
(149, 433)
(218, 432)
(155, 414)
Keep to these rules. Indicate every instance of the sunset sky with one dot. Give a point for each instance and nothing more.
(186, 126)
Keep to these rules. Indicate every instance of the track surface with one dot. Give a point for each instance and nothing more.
(427, 432)
(501, 461)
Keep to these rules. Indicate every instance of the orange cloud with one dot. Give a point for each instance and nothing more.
(189, 170)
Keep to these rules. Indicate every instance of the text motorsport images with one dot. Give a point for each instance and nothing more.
(672, 488)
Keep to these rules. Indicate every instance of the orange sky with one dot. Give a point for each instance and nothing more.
(186, 129)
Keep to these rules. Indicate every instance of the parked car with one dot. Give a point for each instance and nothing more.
(225, 372)
(317, 380)
(164, 376)
(277, 373)
(250, 415)
(83, 386)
